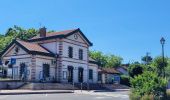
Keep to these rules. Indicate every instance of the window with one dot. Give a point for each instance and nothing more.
(70, 52)
(80, 54)
(90, 74)
(64, 75)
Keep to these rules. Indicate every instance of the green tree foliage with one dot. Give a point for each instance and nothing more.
(148, 83)
(106, 60)
(135, 69)
(147, 59)
(16, 32)
(167, 70)
(113, 61)
(159, 64)
(99, 57)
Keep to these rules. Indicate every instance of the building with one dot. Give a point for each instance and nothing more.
(123, 69)
(58, 56)
(109, 76)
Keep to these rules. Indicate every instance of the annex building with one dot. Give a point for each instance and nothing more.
(58, 56)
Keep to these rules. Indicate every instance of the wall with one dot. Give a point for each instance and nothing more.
(75, 62)
(21, 57)
(94, 67)
(65, 65)
(40, 60)
(10, 84)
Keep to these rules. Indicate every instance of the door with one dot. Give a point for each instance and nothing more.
(46, 71)
(70, 73)
(80, 74)
(23, 71)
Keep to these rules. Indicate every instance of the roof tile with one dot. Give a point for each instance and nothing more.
(32, 46)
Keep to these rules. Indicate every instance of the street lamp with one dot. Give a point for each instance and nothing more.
(162, 43)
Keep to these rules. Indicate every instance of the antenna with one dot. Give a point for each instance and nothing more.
(147, 55)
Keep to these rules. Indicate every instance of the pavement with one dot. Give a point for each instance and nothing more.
(19, 92)
(77, 95)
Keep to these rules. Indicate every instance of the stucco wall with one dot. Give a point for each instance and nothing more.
(21, 57)
(65, 65)
(52, 46)
(94, 67)
(75, 50)
(40, 60)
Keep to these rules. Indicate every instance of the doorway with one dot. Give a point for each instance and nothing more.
(46, 71)
(23, 71)
(70, 73)
(80, 74)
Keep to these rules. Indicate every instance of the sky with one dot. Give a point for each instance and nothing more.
(126, 28)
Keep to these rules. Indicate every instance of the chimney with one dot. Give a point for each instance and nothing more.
(42, 32)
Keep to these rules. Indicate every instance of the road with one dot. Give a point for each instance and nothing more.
(70, 96)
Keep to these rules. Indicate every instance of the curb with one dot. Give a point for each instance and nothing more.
(23, 93)
(114, 90)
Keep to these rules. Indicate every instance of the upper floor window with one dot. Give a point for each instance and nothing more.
(70, 52)
(80, 54)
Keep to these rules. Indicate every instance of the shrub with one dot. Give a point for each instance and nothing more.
(134, 96)
(135, 69)
(148, 83)
(125, 80)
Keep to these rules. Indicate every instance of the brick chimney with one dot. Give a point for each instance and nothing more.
(42, 32)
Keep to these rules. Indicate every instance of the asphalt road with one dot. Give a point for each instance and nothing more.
(70, 96)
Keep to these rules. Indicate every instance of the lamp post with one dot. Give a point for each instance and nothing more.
(162, 43)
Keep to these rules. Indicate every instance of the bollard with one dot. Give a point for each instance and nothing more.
(88, 88)
(73, 86)
(81, 87)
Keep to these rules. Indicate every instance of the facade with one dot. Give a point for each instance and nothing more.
(109, 76)
(59, 56)
(122, 70)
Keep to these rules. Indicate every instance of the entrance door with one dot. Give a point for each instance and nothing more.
(80, 74)
(70, 73)
(23, 70)
(46, 71)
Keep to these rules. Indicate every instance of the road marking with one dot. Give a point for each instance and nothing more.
(102, 97)
(105, 94)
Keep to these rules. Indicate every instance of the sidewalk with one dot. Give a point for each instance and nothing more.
(19, 92)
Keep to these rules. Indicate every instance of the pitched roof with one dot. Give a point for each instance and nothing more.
(60, 34)
(65, 32)
(31, 48)
(109, 70)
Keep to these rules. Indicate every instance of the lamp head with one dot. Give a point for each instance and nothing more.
(162, 40)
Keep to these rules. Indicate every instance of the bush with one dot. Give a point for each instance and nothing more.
(134, 96)
(148, 83)
(125, 80)
(135, 69)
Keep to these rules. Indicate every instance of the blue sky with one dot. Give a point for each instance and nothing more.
(127, 28)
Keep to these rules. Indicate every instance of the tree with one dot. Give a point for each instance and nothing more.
(106, 60)
(99, 57)
(135, 69)
(113, 61)
(160, 65)
(167, 70)
(148, 83)
(147, 59)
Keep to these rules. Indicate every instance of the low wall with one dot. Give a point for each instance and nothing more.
(10, 84)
